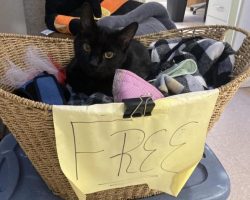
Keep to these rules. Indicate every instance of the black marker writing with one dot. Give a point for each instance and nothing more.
(178, 146)
(150, 150)
(123, 153)
(134, 141)
(80, 152)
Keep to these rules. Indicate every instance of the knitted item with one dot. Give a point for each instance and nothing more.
(128, 85)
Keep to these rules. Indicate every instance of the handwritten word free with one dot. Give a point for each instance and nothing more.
(137, 151)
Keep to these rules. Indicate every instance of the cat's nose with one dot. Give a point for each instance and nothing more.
(94, 62)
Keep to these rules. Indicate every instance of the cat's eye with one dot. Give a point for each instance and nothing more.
(86, 47)
(108, 54)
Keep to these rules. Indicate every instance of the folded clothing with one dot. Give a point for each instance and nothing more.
(152, 17)
(43, 88)
(83, 99)
(180, 65)
(180, 78)
(46, 88)
(215, 59)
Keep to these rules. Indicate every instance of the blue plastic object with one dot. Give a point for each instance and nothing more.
(20, 181)
(209, 181)
(18, 178)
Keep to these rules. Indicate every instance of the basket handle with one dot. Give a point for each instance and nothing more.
(244, 32)
(244, 49)
(227, 28)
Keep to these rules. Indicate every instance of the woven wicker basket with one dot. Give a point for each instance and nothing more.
(32, 123)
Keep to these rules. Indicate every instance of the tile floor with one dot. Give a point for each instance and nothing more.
(230, 141)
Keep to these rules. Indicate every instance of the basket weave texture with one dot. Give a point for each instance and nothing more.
(32, 122)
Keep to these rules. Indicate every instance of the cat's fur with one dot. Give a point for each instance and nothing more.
(91, 72)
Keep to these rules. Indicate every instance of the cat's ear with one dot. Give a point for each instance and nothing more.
(127, 34)
(87, 18)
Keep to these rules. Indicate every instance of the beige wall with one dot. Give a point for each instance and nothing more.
(12, 18)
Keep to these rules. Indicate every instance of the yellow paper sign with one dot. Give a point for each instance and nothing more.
(100, 150)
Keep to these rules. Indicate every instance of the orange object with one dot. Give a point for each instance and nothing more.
(61, 75)
(112, 5)
(61, 23)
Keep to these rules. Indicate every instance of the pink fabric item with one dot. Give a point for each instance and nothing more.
(128, 85)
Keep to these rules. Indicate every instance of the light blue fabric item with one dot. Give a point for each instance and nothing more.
(185, 67)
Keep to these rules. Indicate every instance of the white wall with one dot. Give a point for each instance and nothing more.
(12, 18)
(244, 23)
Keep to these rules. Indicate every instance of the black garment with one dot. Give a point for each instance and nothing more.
(69, 8)
(73, 8)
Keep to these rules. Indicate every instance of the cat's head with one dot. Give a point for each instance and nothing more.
(101, 51)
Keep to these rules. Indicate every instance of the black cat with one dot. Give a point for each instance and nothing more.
(100, 51)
